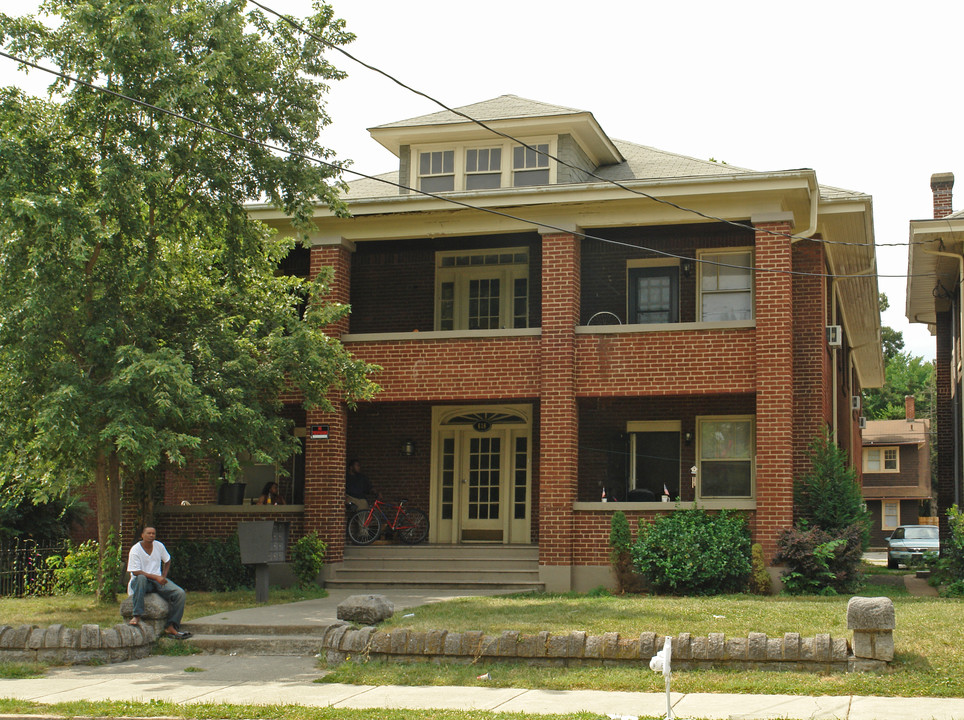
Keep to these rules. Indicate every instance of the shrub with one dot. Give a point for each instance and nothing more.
(948, 569)
(76, 572)
(308, 557)
(829, 496)
(821, 563)
(690, 552)
(759, 577)
(209, 565)
(620, 542)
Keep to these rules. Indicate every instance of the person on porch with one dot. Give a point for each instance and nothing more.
(358, 488)
(148, 563)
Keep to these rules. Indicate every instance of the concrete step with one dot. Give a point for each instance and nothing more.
(200, 628)
(292, 645)
(384, 582)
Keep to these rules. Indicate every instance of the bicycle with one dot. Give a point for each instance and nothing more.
(410, 524)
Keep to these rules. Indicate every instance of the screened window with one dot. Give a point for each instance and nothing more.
(881, 459)
(482, 290)
(654, 294)
(726, 457)
(726, 286)
(436, 171)
(483, 168)
(530, 165)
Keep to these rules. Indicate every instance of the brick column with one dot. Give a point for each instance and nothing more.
(946, 440)
(559, 422)
(325, 459)
(774, 398)
(812, 372)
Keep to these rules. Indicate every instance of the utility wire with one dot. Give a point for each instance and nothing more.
(790, 236)
(337, 166)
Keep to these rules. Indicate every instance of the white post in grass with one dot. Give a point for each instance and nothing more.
(662, 662)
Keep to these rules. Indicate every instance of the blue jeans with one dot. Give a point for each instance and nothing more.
(169, 591)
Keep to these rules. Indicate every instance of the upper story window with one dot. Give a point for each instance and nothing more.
(436, 171)
(653, 292)
(482, 167)
(530, 165)
(726, 286)
(482, 289)
(726, 456)
(881, 459)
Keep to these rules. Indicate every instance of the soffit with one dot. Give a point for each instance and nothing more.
(932, 266)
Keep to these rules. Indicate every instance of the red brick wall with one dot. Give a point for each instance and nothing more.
(174, 527)
(774, 402)
(559, 427)
(667, 363)
(946, 442)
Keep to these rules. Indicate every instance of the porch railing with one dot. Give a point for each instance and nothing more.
(24, 570)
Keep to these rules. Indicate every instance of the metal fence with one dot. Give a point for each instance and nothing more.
(24, 570)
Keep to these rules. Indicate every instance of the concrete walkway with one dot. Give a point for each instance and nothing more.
(287, 680)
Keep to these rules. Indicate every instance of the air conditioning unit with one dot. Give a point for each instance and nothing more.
(862, 422)
(855, 402)
(834, 335)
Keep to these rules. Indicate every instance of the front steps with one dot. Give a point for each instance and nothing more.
(506, 568)
(294, 640)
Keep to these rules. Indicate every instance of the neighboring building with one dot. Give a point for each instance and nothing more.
(896, 471)
(546, 334)
(934, 276)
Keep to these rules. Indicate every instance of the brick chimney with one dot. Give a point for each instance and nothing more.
(909, 407)
(942, 185)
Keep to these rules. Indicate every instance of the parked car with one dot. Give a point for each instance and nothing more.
(908, 544)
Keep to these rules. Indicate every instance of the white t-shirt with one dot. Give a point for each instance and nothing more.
(151, 564)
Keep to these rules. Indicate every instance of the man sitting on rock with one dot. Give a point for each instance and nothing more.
(148, 563)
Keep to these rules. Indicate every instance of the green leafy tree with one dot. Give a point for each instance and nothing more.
(905, 374)
(142, 317)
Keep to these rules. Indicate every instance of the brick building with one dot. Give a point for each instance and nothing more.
(934, 276)
(575, 315)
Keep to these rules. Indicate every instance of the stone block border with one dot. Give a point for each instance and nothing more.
(88, 644)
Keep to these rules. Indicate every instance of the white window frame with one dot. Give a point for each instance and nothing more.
(708, 267)
(702, 462)
(461, 275)
(884, 504)
(500, 172)
(881, 451)
(460, 151)
(420, 176)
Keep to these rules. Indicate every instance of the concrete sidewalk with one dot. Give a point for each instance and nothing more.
(289, 680)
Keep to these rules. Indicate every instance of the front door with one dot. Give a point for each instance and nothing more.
(481, 485)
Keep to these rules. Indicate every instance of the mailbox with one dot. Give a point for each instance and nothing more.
(263, 541)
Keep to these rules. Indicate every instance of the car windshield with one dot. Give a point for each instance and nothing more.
(921, 533)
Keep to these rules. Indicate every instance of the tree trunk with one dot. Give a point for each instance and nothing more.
(107, 488)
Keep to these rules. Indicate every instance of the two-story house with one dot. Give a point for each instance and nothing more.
(558, 314)
(896, 471)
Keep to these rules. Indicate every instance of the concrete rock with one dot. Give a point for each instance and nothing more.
(876, 613)
(366, 609)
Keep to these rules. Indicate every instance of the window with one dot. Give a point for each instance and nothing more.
(654, 471)
(436, 171)
(483, 168)
(881, 460)
(890, 515)
(653, 294)
(482, 290)
(530, 165)
(725, 457)
(726, 286)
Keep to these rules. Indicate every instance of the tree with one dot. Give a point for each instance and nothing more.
(142, 320)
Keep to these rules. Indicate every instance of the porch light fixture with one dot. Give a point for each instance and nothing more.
(686, 266)
(688, 437)
(408, 448)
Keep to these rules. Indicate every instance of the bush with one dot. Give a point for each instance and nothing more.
(76, 572)
(759, 577)
(209, 565)
(829, 496)
(308, 557)
(620, 555)
(690, 552)
(948, 569)
(821, 563)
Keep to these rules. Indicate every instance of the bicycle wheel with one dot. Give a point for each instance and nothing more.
(362, 530)
(411, 526)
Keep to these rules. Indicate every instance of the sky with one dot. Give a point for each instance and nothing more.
(861, 92)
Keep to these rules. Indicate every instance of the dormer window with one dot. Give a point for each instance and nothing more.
(530, 165)
(436, 171)
(490, 166)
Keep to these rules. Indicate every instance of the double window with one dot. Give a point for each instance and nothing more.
(726, 286)
(725, 456)
(483, 167)
(881, 460)
(482, 289)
